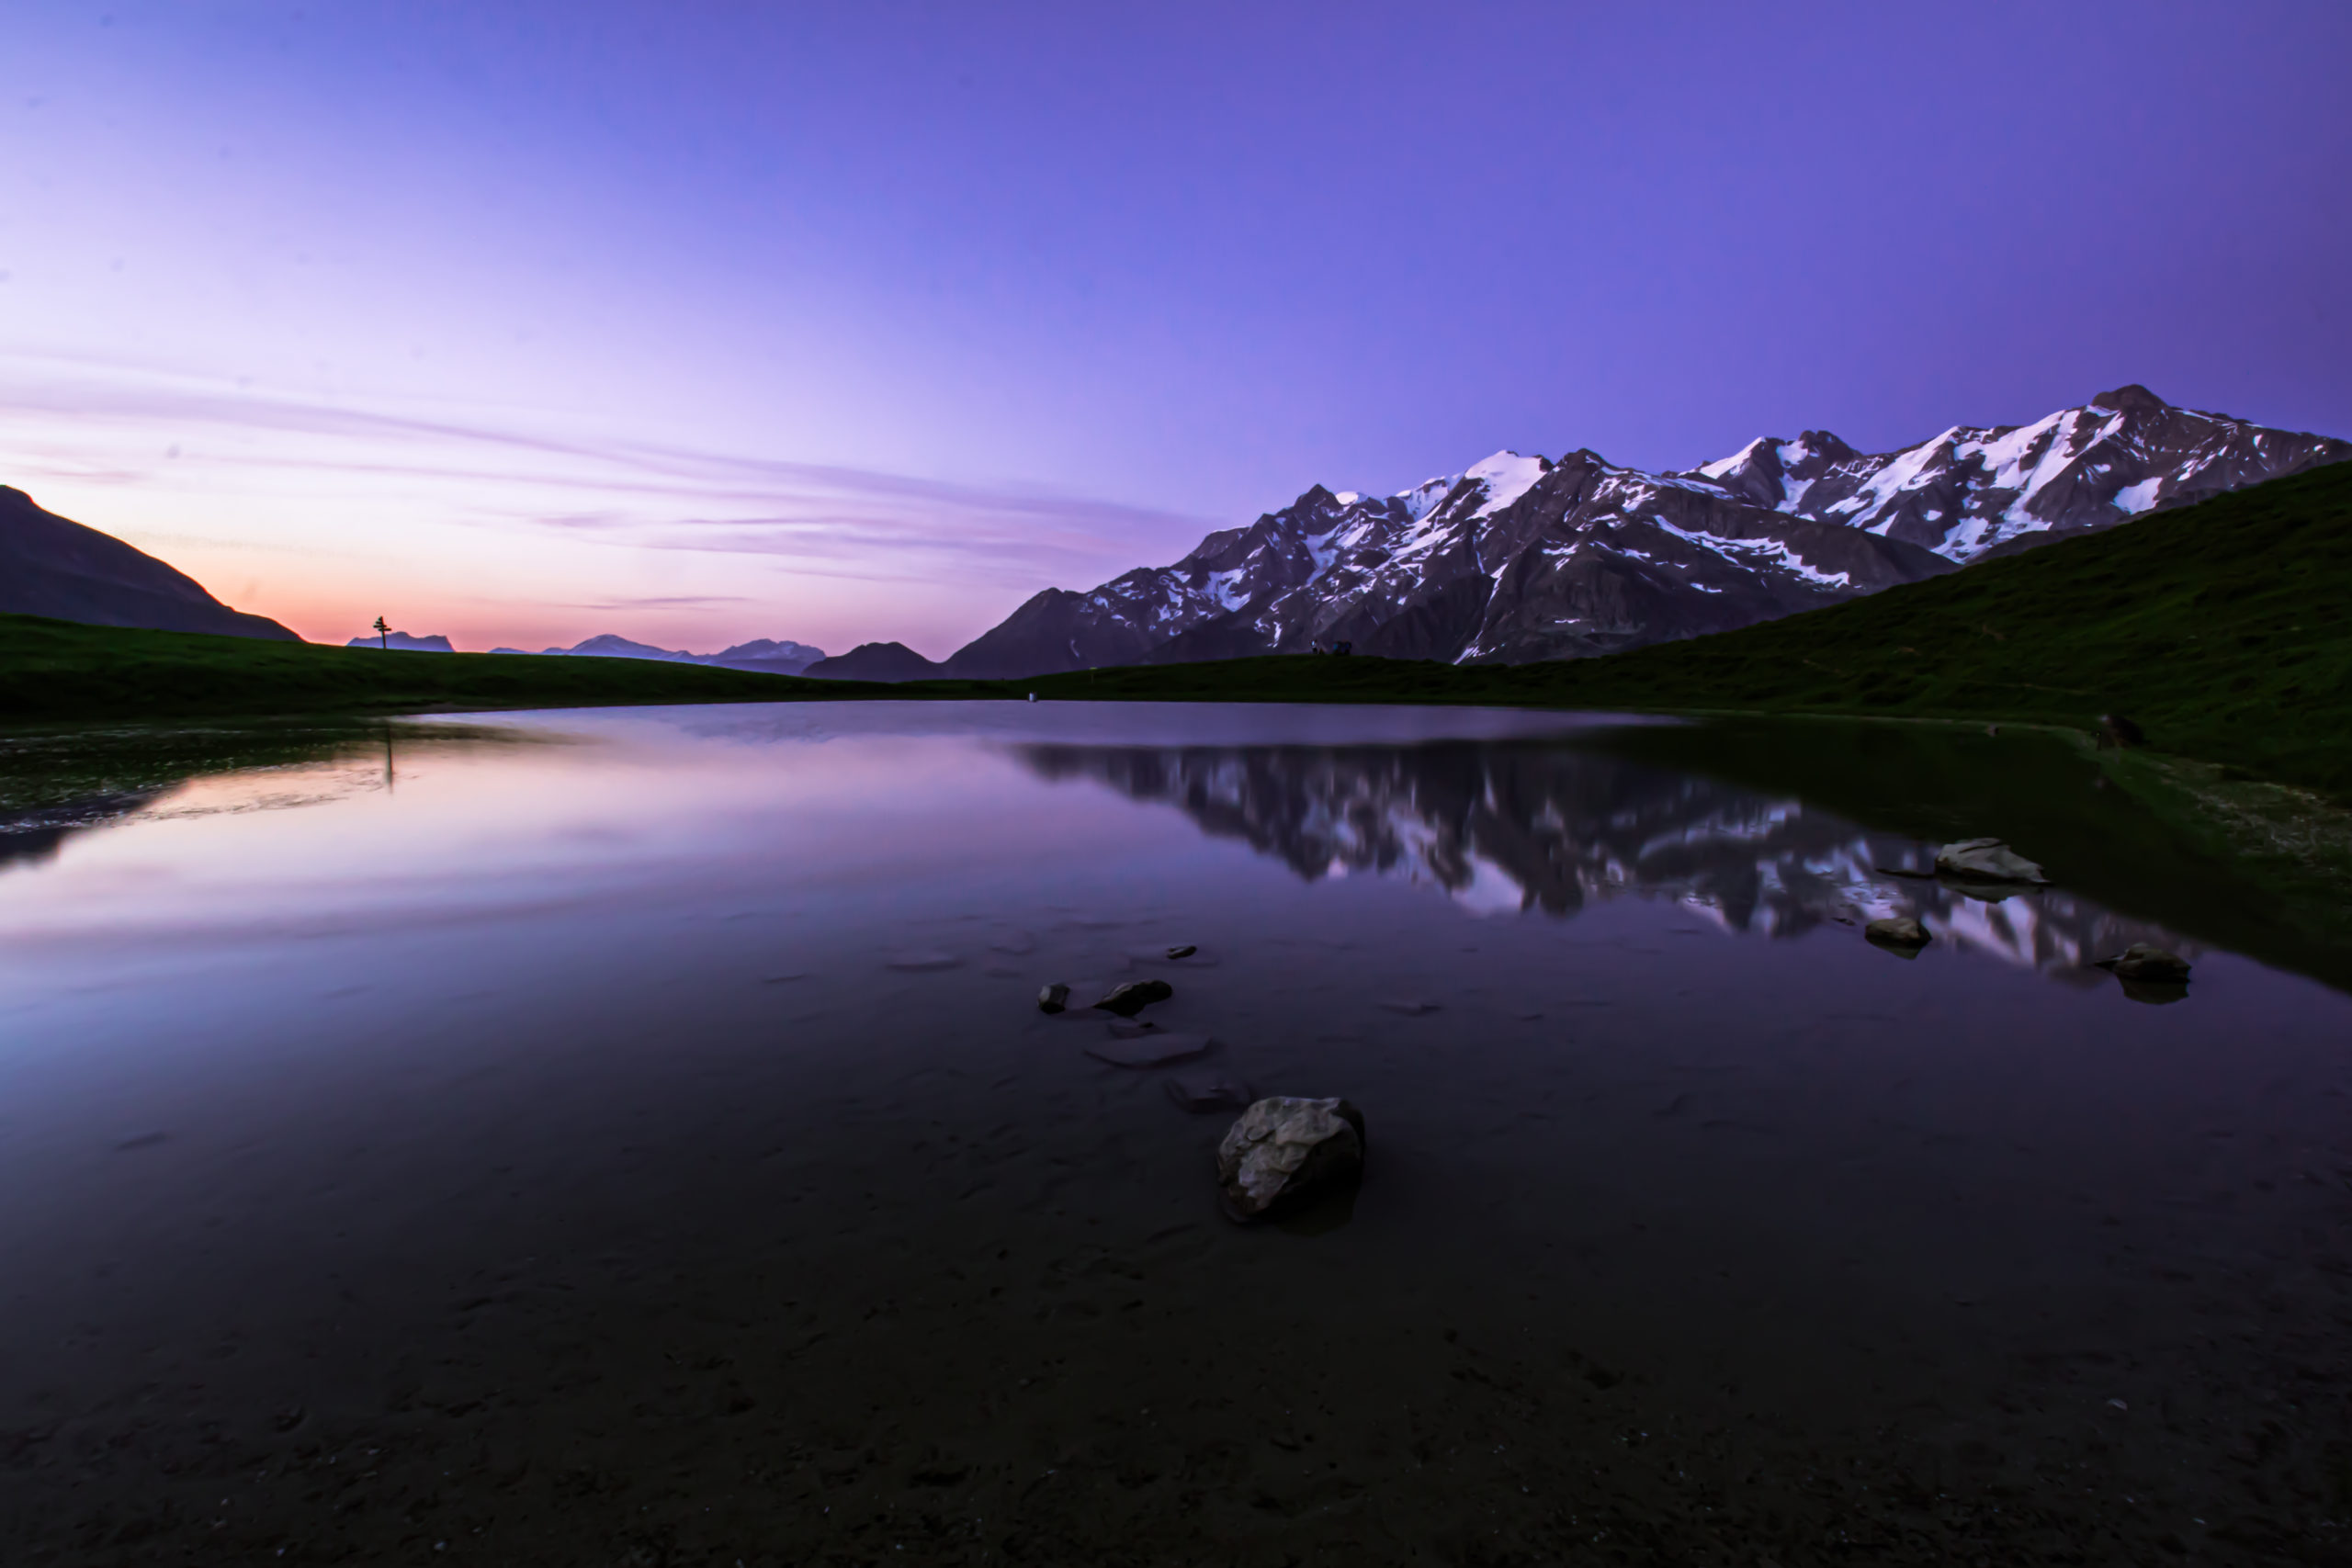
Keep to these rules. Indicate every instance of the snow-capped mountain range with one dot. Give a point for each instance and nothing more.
(1522, 557)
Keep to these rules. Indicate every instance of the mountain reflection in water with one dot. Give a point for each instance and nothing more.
(1514, 827)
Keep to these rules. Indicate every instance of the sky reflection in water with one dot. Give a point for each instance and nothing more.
(1484, 806)
(462, 1098)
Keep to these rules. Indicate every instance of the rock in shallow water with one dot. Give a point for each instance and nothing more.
(1053, 997)
(1135, 996)
(1987, 860)
(1284, 1150)
(2145, 961)
(1899, 932)
(1155, 1049)
(1207, 1090)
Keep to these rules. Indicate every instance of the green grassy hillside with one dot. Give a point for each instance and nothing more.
(2222, 630)
(62, 672)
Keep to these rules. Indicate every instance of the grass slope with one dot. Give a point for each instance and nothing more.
(62, 672)
(2221, 628)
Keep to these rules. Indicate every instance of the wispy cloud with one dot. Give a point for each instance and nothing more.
(667, 601)
(122, 426)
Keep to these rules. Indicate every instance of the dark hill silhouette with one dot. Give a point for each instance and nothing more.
(52, 567)
(875, 661)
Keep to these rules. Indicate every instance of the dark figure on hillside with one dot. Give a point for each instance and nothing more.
(384, 633)
(1343, 648)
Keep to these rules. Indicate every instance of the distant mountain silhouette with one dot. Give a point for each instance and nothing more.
(768, 655)
(761, 656)
(402, 642)
(876, 662)
(609, 645)
(52, 567)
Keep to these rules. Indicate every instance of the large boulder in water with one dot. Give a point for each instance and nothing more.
(1286, 1150)
(1986, 859)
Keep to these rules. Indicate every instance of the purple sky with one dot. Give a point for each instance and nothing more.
(705, 321)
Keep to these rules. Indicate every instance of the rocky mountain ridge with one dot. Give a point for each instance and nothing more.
(1518, 559)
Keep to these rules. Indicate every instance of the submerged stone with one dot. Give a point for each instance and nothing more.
(1986, 859)
(1207, 1090)
(1284, 1150)
(1900, 933)
(1153, 1048)
(1135, 996)
(2145, 961)
(1053, 997)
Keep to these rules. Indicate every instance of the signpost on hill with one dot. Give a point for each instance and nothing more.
(383, 633)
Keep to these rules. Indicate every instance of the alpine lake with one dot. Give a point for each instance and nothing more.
(631, 1137)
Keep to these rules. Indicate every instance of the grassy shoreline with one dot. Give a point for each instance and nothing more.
(62, 672)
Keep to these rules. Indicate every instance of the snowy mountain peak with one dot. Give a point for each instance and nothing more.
(1424, 497)
(1517, 557)
(1507, 476)
(1970, 490)
(1764, 452)
(2132, 399)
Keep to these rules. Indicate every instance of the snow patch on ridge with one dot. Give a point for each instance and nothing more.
(1418, 501)
(1737, 460)
(1508, 476)
(1754, 554)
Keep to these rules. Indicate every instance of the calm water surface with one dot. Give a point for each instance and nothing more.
(630, 1137)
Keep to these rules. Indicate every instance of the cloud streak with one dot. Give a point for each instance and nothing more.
(116, 426)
